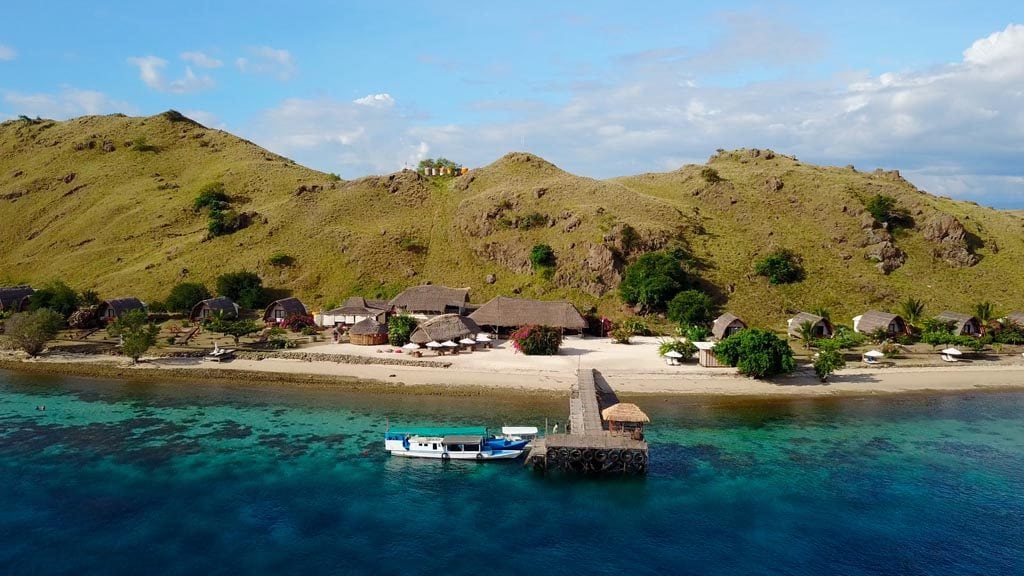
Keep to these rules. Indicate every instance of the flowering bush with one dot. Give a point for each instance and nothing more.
(536, 340)
(296, 322)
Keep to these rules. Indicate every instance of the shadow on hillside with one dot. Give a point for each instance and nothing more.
(274, 294)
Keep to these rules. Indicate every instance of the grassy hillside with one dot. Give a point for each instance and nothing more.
(106, 203)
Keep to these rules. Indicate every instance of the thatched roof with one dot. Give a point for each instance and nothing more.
(444, 327)
(120, 306)
(368, 327)
(624, 412)
(874, 319)
(11, 296)
(796, 321)
(222, 304)
(723, 322)
(430, 299)
(359, 306)
(291, 306)
(959, 321)
(514, 312)
(1016, 318)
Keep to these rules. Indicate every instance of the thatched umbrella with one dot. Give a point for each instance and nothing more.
(625, 413)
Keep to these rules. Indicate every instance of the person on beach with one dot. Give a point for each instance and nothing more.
(555, 429)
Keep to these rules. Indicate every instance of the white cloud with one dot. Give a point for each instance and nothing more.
(206, 119)
(67, 103)
(151, 73)
(269, 61)
(201, 60)
(376, 100)
(7, 53)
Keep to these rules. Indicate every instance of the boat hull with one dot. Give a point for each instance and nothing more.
(480, 456)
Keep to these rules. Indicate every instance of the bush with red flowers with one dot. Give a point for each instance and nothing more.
(537, 340)
(296, 322)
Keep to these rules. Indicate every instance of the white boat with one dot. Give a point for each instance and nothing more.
(518, 433)
(451, 444)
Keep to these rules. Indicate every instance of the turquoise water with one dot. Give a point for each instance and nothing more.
(128, 478)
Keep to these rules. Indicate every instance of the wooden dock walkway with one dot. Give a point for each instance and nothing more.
(588, 446)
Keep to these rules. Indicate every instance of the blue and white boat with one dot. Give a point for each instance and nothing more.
(452, 444)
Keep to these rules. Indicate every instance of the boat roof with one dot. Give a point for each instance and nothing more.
(462, 439)
(518, 429)
(440, 431)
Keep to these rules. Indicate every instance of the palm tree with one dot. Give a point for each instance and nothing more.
(823, 312)
(985, 312)
(912, 311)
(807, 334)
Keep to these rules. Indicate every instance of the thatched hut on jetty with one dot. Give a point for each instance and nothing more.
(444, 327)
(428, 301)
(820, 327)
(510, 313)
(368, 332)
(870, 321)
(726, 325)
(15, 298)
(278, 310)
(108, 310)
(211, 307)
(625, 418)
(963, 324)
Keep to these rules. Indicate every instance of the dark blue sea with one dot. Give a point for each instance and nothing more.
(131, 478)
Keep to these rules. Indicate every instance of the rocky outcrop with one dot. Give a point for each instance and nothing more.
(773, 184)
(888, 256)
(951, 239)
(410, 188)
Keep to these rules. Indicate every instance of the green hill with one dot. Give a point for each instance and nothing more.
(105, 203)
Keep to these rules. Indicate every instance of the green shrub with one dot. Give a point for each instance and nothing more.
(30, 331)
(637, 326)
(780, 267)
(691, 307)
(828, 361)
(185, 296)
(245, 288)
(400, 327)
(695, 332)
(542, 256)
(136, 332)
(710, 175)
(883, 209)
(532, 220)
(234, 328)
(281, 260)
(653, 279)
(756, 353)
(56, 296)
(211, 196)
(536, 340)
(622, 335)
(684, 347)
(412, 244)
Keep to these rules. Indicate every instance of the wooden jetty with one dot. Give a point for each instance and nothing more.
(590, 444)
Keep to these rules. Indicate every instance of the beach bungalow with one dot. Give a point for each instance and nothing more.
(15, 298)
(726, 325)
(445, 327)
(821, 327)
(354, 310)
(211, 307)
(511, 313)
(872, 320)
(963, 324)
(1015, 319)
(368, 332)
(281, 309)
(117, 307)
(706, 355)
(427, 301)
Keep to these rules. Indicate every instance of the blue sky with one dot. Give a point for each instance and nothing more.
(601, 89)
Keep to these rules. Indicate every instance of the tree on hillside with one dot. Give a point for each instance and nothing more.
(653, 279)
(912, 310)
(245, 288)
(780, 267)
(883, 208)
(185, 296)
(56, 296)
(542, 256)
(756, 353)
(691, 307)
(136, 332)
(30, 331)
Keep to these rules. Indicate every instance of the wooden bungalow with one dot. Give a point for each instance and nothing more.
(1014, 319)
(281, 309)
(872, 320)
(117, 307)
(368, 332)
(355, 310)
(211, 307)
(625, 418)
(706, 355)
(444, 327)
(15, 298)
(963, 324)
(503, 312)
(428, 301)
(821, 327)
(726, 325)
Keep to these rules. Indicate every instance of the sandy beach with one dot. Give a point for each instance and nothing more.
(630, 369)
